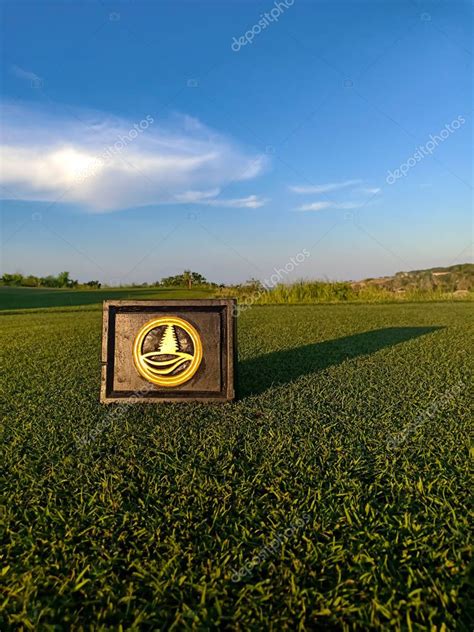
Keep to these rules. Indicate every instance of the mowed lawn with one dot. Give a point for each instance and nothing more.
(333, 494)
(31, 298)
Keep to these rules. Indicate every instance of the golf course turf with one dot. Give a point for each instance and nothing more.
(333, 494)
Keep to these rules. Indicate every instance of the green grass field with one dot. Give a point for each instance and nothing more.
(39, 298)
(333, 494)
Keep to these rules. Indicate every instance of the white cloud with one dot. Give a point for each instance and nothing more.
(370, 191)
(324, 188)
(105, 163)
(251, 201)
(320, 206)
(209, 198)
(335, 186)
(194, 197)
(314, 206)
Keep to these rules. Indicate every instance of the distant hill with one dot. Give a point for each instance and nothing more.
(457, 278)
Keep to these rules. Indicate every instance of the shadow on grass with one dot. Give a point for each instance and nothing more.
(282, 367)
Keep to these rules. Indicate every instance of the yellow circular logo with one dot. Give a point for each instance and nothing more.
(167, 351)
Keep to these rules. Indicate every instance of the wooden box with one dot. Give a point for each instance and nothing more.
(162, 351)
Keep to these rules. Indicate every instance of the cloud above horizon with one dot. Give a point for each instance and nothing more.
(319, 206)
(210, 198)
(354, 187)
(21, 73)
(324, 188)
(105, 163)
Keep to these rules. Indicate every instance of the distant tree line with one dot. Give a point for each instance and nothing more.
(61, 280)
(415, 284)
(187, 279)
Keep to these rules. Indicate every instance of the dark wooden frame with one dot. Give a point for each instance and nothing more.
(150, 393)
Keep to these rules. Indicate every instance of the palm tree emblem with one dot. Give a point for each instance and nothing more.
(168, 358)
(167, 351)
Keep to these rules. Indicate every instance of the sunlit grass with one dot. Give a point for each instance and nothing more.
(143, 519)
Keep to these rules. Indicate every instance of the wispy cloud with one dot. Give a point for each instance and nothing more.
(21, 73)
(251, 201)
(320, 206)
(347, 186)
(210, 198)
(369, 190)
(104, 163)
(195, 197)
(324, 188)
(314, 206)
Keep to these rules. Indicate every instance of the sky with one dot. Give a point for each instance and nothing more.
(234, 137)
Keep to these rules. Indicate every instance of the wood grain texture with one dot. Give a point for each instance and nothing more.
(214, 380)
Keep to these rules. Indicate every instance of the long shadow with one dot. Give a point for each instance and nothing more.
(282, 367)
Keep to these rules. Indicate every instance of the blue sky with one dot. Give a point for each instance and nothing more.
(142, 138)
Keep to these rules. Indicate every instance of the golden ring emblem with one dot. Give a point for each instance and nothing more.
(167, 351)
